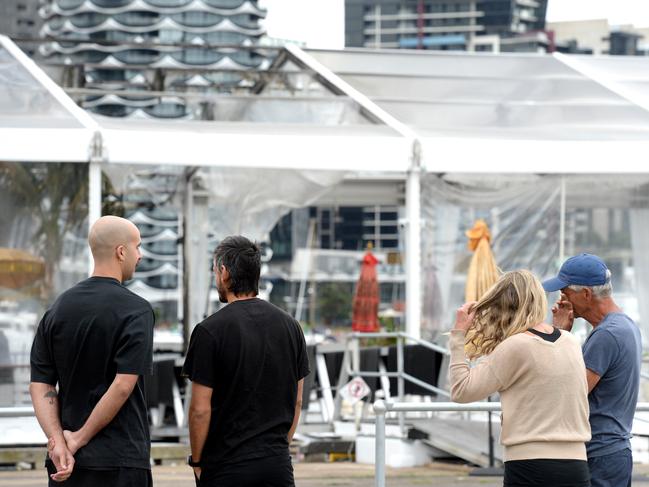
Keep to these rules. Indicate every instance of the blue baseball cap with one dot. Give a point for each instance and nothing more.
(580, 270)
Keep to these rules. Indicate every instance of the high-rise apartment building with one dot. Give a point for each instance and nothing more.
(498, 25)
(128, 46)
(19, 19)
(598, 37)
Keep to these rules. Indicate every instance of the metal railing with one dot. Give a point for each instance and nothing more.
(16, 411)
(351, 368)
(381, 408)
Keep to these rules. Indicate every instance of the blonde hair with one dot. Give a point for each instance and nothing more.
(515, 303)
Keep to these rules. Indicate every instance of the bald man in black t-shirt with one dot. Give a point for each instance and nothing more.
(95, 343)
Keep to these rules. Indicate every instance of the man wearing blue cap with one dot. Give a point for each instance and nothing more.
(612, 354)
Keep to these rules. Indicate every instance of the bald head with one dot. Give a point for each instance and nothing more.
(108, 233)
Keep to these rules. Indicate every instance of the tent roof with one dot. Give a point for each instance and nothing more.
(470, 112)
(33, 108)
(498, 96)
(249, 144)
(506, 112)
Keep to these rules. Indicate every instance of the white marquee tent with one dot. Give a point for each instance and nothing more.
(393, 116)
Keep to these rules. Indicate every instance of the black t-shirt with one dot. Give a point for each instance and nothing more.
(252, 354)
(94, 331)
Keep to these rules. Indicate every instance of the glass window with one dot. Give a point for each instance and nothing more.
(107, 75)
(197, 19)
(137, 56)
(87, 19)
(165, 281)
(247, 58)
(171, 36)
(89, 56)
(113, 110)
(69, 4)
(224, 3)
(221, 37)
(223, 79)
(245, 21)
(167, 3)
(167, 110)
(111, 3)
(197, 56)
(138, 18)
(166, 247)
(56, 22)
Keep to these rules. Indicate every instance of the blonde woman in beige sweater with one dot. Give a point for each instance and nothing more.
(538, 371)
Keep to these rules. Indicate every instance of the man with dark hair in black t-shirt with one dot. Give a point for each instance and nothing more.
(247, 364)
(96, 343)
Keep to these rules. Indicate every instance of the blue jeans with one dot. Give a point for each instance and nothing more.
(612, 470)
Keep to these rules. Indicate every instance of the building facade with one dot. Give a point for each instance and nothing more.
(466, 25)
(127, 47)
(598, 37)
(19, 19)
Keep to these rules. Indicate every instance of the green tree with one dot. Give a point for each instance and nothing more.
(335, 302)
(55, 197)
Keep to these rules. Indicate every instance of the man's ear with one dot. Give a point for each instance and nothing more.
(119, 252)
(588, 293)
(225, 274)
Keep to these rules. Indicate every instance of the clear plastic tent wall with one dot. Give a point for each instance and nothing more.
(44, 142)
(493, 131)
(241, 200)
(605, 215)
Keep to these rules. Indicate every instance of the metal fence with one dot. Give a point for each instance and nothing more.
(381, 408)
(351, 366)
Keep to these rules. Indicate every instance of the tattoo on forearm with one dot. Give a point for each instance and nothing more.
(51, 395)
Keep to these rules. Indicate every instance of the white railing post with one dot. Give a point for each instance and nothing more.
(379, 444)
(400, 381)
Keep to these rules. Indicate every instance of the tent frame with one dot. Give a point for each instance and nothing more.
(411, 152)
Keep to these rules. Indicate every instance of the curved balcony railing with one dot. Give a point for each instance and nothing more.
(73, 7)
(55, 27)
(117, 40)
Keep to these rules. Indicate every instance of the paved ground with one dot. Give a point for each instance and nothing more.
(321, 475)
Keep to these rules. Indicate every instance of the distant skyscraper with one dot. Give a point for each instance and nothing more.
(19, 19)
(598, 37)
(147, 45)
(507, 25)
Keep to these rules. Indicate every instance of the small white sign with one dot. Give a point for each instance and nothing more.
(355, 390)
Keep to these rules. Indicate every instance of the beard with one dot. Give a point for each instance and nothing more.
(222, 293)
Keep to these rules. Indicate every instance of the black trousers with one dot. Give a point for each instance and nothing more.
(119, 477)
(547, 472)
(275, 471)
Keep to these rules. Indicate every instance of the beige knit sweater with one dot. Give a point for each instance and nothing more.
(543, 392)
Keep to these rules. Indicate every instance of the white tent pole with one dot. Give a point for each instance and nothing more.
(413, 182)
(308, 261)
(96, 157)
(94, 201)
(413, 245)
(562, 222)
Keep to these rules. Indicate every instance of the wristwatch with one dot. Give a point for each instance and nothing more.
(192, 463)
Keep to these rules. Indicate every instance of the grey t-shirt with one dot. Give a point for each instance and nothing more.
(614, 352)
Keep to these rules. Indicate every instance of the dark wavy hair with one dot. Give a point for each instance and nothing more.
(242, 259)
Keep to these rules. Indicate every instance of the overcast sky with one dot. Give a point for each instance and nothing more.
(617, 12)
(321, 23)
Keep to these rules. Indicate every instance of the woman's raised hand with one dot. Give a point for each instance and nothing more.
(464, 316)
